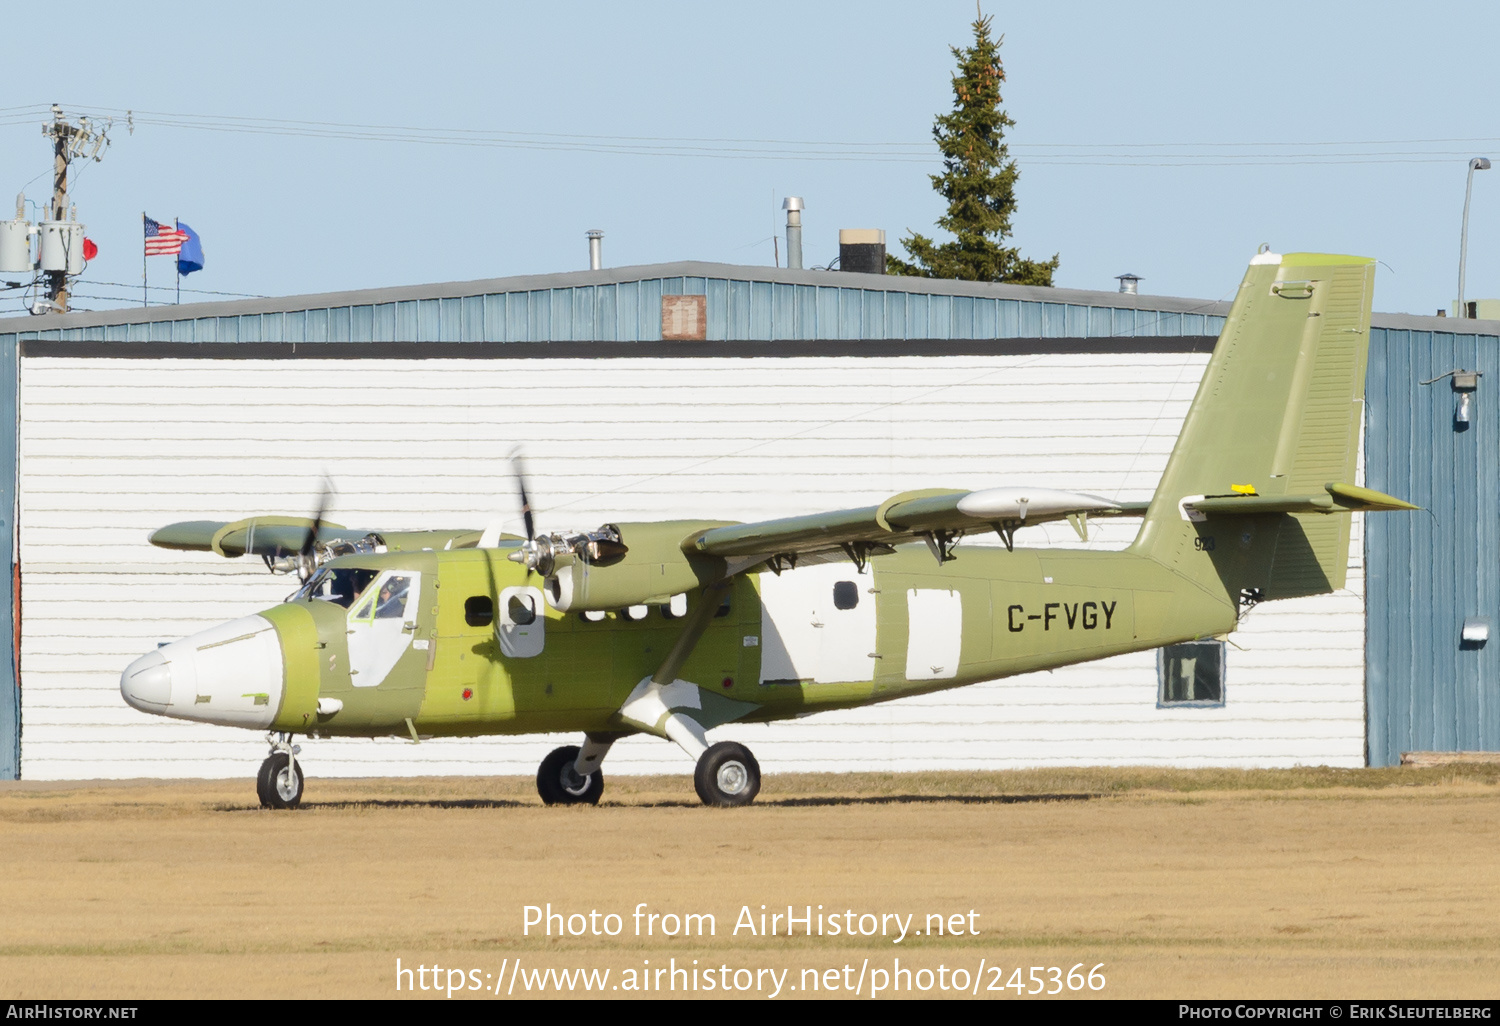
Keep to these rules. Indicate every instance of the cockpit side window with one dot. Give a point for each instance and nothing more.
(390, 601)
(339, 585)
(386, 599)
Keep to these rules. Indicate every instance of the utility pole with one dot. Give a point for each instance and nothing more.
(69, 142)
(62, 135)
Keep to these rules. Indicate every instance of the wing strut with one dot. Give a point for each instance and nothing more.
(659, 704)
(692, 631)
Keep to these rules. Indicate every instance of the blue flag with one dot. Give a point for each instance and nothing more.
(190, 257)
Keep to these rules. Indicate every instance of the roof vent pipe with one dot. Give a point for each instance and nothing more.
(596, 249)
(793, 207)
(1128, 283)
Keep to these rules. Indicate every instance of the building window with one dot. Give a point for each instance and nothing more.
(1191, 674)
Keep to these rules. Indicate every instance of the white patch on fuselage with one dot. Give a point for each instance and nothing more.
(805, 637)
(935, 636)
(521, 640)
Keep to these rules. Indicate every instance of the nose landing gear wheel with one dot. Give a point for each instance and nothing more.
(560, 784)
(727, 775)
(278, 784)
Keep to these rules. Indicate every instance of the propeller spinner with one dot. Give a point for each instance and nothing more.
(545, 554)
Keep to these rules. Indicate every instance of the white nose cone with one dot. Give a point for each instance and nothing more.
(230, 674)
(147, 683)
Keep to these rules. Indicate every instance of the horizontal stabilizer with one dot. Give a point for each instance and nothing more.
(1335, 498)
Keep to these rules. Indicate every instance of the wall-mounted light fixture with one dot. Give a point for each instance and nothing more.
(1465, 383)
(1476, 631)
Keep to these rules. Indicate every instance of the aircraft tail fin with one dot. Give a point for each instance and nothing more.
(1251, 499)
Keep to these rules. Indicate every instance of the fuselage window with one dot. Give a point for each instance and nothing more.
(592, 615)
(479, 611)
(522, 609)
(845, 595)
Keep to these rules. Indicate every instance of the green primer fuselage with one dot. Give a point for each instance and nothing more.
(1021, 611)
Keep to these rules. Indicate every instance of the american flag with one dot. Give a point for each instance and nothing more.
(161, 240)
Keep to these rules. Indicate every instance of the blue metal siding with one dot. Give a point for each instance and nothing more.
(962, 325)
(739, 310)
(630, 311)
(10, 687)
(584, 299)
(539, 317)
(1427, 572)
(606, 315)
(649, 311)
(339, 321)
(717, 329)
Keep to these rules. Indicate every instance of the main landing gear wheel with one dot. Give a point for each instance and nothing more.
(560, 784)
(727, 775)
(278, 783)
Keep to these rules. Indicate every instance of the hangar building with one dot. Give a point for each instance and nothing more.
(777, 392)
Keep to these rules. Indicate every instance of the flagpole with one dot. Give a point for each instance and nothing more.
(145, 300)
(178, 225)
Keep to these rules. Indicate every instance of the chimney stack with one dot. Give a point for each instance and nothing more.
(596, 249)
(862, 250)
(793, 207)
(1128, 283)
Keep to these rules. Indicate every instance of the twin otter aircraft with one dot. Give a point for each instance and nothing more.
(676, 628)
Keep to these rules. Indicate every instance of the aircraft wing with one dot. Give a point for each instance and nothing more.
(260, 536)
(275, 537)
(937, 516)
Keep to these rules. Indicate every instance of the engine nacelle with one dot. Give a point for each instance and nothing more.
(653, 569)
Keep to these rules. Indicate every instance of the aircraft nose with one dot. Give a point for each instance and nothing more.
(147, 683)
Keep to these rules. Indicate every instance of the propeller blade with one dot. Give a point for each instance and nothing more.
(325, 502)
(519, 471)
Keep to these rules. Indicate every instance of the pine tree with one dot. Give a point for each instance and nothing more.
(978, 181)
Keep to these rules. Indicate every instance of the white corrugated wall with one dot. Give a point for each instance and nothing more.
(111, 449)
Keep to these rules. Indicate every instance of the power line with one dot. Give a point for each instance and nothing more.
(1107, 154)
(168, 288)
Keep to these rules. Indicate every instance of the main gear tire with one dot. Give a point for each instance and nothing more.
(279, 782)
(727, 775)
(559, 783)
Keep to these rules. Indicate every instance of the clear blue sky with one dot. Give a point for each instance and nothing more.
(1164, 139)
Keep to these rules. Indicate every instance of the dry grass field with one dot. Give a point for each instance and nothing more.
(1300, 883)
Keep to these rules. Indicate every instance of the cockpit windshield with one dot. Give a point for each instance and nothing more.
(339, 585)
